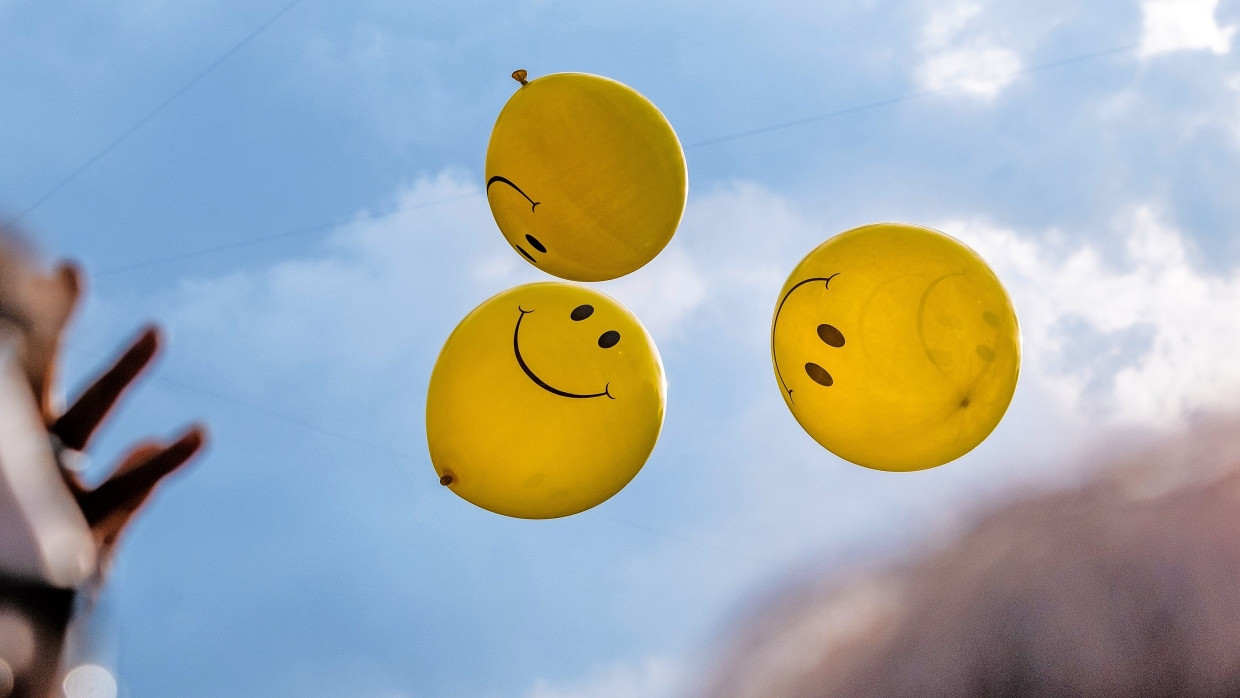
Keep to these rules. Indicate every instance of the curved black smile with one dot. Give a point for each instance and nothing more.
(533, 241)
(505, 180)
(775, 323)
(516, 349)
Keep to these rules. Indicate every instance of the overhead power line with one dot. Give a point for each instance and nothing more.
(295, 232)
(137, 125)
(908, 97)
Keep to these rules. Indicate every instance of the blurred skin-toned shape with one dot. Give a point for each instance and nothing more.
(38, 305)
(1123, 587)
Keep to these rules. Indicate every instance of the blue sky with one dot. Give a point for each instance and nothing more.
(312, 551)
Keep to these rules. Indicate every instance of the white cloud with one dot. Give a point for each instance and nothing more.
(948, 21)
(1182, 25)
(651, 678)
(980, 70)
(353, 308)
(664, 293)
(957, 56)
(1233, 119)
(1148, 340)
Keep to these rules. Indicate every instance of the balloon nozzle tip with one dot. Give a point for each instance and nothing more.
(520, 75)
(445, 480)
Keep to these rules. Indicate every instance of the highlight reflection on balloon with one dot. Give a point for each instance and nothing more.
(546, 400)
(895, 347)
(584, 176)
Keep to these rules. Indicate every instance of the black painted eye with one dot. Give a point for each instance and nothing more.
(534, 241)
(831, 336)
(582, 312)
(608, 339)
(818, 374)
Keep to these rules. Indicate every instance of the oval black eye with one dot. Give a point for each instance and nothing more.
(534, 241)
(608, 339)
(830, 335)
(582, 312)
(818, 374)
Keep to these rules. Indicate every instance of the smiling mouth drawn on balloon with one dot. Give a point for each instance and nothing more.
(829, 334)
(516, 349)
(534, 242)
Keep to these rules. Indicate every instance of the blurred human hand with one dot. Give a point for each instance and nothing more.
(42, 304)
(109, 507)
(38, 306)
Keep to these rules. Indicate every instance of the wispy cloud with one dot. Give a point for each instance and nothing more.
(1182, 25)
(1148, 339)
(961, 56)
(1232, 119)
(978, 69)
(649, 678)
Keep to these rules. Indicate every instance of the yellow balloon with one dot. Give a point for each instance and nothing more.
(545, 401)
(585, 176)
(896, 347)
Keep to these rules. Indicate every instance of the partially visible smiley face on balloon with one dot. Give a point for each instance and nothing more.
(895, 347)
(546, 400)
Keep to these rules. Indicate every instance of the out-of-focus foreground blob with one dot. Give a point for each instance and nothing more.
(1123, 585)
(585, 176)
(545, 401)
(896, 347)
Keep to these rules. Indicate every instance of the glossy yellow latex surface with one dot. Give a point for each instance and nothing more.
(585, 177)
(895, 346)
(545, 401)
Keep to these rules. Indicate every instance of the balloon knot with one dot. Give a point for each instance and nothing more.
(445, 480)
(519, 76)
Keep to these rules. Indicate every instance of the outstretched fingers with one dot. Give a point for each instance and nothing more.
(109, 507)
(76, 425)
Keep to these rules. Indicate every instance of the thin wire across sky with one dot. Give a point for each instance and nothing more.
(147, 117)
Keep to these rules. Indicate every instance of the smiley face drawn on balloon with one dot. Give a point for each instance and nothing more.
(829, 334)
(533, 242)
(908, 344)
(585, 177)
(545, 401)
(606, 340)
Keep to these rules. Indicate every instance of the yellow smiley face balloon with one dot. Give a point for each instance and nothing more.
(585, 177)
(545, 401)
(895, 347)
